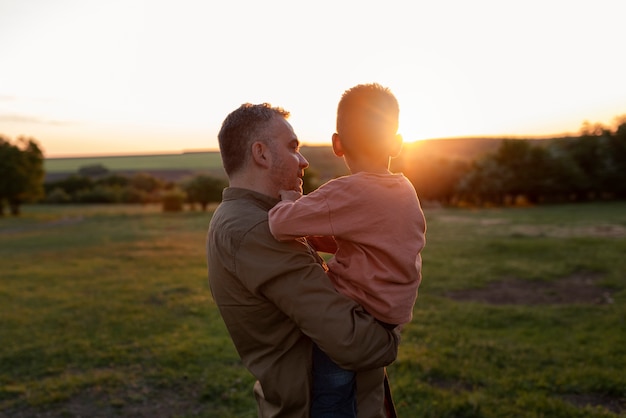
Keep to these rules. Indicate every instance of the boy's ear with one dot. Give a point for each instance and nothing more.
(337, 146)
(396, 146)
(261, 154)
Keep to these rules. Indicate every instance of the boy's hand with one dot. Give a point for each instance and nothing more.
(291, 195)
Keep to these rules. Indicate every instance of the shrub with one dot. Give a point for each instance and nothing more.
(99, 194)
(58, 195)
(133, 195)
(173, 200)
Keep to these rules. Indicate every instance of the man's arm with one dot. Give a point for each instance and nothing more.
(289, 275)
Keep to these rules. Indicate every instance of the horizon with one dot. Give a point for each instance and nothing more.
(149, 153)
(168, 74)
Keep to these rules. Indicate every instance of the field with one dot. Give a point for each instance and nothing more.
(187, 161)
(321, 159)
(106, 312)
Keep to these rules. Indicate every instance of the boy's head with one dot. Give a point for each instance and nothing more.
(367, 121)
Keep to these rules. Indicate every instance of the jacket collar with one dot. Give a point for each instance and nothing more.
(263, 200)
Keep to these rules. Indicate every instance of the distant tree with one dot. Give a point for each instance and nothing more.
(310, 181)
(148, 186)
(615, 156)
(146, 182)
(116, 180)
(595, 129)
(133, 195)
(100, 194)
(203, 189)
(93, 171)
(72, 185)
(9, 169)
(484, 183)
(434, 177)
(514, 158)
(589, 153)
(57, 195)
(173, 200)
(550, 176)
(21, 173)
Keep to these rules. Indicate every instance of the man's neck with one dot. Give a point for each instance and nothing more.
(253, 182)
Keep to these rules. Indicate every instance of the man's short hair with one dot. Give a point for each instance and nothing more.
(241, 128)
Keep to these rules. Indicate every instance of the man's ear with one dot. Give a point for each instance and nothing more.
(261, 154)
(396, 146)
(337, 146)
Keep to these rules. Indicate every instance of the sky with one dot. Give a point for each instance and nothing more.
(91, 77)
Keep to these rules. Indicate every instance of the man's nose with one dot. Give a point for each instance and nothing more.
(303, 162)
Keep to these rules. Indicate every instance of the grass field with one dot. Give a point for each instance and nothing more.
(182, 161)
(106, 312)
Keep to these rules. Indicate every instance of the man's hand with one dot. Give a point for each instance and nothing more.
(291, 195)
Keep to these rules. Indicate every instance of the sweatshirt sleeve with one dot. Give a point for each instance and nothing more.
(325, 244)
(307, 216)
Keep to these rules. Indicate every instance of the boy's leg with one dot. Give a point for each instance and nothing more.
(334, 389)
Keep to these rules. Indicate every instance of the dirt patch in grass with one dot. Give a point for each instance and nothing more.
(613, 404)
(451, 385)
(581, 288)
(66, 220)
(507, 228)
(578, 288)
(93, 403)
(582, 400)
(576, 231)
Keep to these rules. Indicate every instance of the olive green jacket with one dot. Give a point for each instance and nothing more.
(276, 299)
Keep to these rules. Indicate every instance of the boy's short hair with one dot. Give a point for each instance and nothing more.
(367, 116)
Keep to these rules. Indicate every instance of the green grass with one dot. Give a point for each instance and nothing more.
(106, 311)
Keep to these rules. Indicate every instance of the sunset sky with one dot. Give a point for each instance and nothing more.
(88, 77)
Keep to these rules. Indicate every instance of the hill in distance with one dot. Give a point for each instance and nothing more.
(175, 166)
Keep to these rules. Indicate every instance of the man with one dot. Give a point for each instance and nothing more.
(275, 297)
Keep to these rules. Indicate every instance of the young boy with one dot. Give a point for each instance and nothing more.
(377, 223)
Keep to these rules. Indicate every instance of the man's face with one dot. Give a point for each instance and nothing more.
(287, 163)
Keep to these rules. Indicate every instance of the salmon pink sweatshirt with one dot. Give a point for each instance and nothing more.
(379, 229)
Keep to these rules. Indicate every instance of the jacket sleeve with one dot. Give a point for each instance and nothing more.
(290, 276)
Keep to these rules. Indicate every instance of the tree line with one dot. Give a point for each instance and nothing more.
(591, 166)
(22, 181)
(95, 184)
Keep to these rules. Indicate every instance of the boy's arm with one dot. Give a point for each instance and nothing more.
(290, 195)
(307, 216)
(326, 244)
